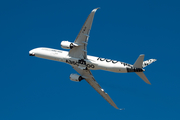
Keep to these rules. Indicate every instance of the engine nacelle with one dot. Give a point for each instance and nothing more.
(75, 77)
(68, 45)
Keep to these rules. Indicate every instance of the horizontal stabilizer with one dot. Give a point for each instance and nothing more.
(139, 62)
(142, 76)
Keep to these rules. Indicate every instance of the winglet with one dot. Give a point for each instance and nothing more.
(122, 109)
(94, 10)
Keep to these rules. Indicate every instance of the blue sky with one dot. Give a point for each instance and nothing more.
(32, 88)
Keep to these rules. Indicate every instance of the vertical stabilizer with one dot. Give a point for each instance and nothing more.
(142, 76)
(148, 62)
(139, 62)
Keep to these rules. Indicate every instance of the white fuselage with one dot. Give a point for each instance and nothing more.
(92, 62)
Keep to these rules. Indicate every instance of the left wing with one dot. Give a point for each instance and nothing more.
(87, 75)
(82, 38)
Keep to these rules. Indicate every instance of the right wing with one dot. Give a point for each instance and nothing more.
(82, 38)
(87, 75)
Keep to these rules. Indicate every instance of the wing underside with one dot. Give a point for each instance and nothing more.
(82, 38)
(87, 75)
(80, 52)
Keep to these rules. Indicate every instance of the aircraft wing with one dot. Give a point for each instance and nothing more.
(87, 75)
(82, 38)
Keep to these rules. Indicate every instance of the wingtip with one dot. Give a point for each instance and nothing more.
(116, 107)
(121, 108)
(94, 10)
(148, 82)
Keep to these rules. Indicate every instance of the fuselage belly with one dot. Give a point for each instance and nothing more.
(92, 62)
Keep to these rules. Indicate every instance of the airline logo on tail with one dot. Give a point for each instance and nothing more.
(148, 62)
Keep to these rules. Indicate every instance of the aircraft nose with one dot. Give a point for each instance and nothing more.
(31, 53)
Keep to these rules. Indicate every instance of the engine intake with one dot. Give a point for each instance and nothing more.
(75, 77)
(68, 45)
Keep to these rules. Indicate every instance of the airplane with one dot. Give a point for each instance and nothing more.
(81, 62)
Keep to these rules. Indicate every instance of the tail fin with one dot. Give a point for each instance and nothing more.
(139, 64)
(148, 62)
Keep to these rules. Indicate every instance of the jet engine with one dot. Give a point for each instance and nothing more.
(68, 45)
(75, 77)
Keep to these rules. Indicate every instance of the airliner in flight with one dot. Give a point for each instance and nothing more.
(77, 57)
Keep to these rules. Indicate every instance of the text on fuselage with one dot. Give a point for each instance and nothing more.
(80, 62)
(114, 61)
